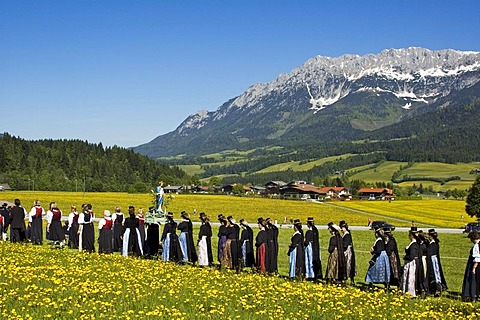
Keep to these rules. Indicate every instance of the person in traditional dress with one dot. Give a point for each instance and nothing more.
(471, 278)
(230, 257)
(37, 213)
(54, 225)
(5, 214)
(316, 256)
(72, 229)
(152, 243)
(309, 244)
(394, 258)
(159, 197)
(17, 222)
(86, 229)
(272, 247)
(141, 226)
(132, 241)
(422, 281)
(246, 242)
(205, 255)
(169, 239)
(183, 238)
(409, 277)
(261, 241)
(222, 237)
(436, 279)
(348, 251)
(117, 219)
(296, 252)
(336, 271)
(105, 226)
(379, 269)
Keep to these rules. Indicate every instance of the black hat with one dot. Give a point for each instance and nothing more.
(343, 224)
(296, 221)
(202, 214)
(221, 217)
(413, 229)
(169, 214)
(184, 215)
(310, 219)
(260, 221)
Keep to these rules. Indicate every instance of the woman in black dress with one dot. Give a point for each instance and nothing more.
(105, 233)
(205, 255)
(436, 279)
(296, 252)
(348, 252)
(336, 266)
(86, 230)
(394, 258)
(471, 278)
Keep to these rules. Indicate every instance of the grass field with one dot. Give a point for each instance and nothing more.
(38, 282)
(296, 166)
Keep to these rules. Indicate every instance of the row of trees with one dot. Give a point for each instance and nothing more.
(75, 165)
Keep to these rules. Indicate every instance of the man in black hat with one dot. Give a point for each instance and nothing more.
(17, 224)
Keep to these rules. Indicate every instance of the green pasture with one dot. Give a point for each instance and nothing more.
(383, 172)
(442, 170)
(299, 166)
(192, 169)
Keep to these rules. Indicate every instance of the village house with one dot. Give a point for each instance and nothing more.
(375, 193)
(173, 189)
(273, 187)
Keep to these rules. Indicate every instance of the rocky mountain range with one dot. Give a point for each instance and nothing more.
(327, 99)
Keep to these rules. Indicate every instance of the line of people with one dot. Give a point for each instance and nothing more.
(421, 273)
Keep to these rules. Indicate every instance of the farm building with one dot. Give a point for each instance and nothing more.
(375, 193)
(273, 187)
(173, 189)
(301, 191)
(4, 186)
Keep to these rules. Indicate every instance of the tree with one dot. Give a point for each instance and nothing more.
(473, 200)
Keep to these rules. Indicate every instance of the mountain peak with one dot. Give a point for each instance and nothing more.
(389, 85)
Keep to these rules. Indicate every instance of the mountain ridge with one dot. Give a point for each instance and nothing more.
(325, 98)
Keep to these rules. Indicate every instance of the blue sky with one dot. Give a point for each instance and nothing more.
(124, 72)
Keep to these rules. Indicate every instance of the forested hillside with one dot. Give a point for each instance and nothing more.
(74, 165)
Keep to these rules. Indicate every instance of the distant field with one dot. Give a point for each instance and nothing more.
(192, 169)
(451, 185)
(296, 166)
(383, 172)
(437, 169)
